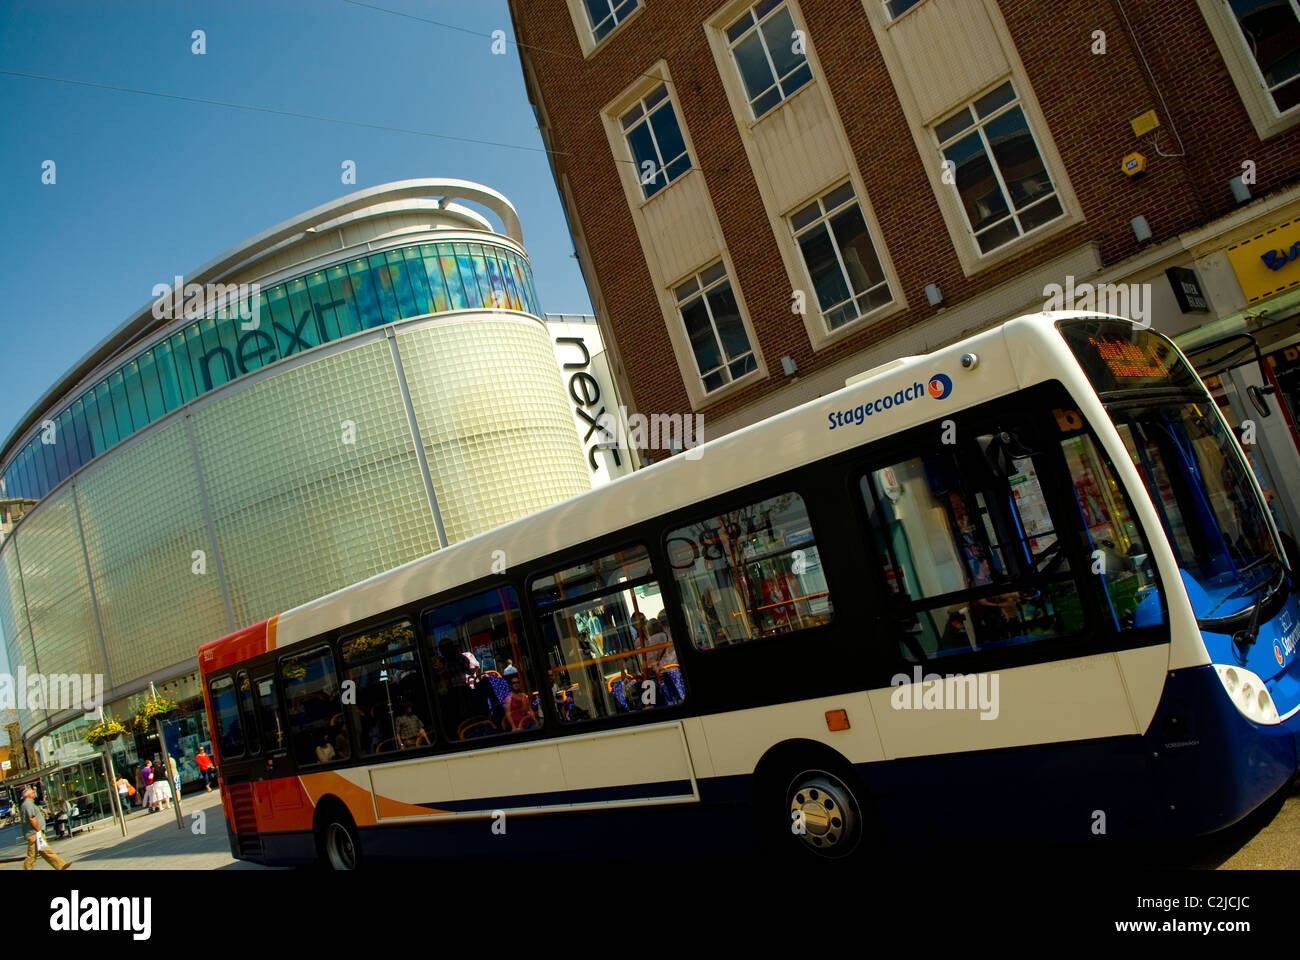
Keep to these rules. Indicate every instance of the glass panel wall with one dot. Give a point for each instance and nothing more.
(293, 316)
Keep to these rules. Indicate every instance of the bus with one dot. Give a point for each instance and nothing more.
(1026, 585)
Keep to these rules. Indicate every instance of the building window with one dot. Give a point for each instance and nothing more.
(841, 259)
(655, 138)
(1001, 179)
(605, 15)
(1271, 31)
(896, 8)
(717, 333)
(769, 53)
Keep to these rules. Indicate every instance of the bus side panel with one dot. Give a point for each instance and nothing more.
(1144, 670)
(1079, 699)
(1069, 793)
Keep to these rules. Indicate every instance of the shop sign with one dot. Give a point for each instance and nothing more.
(1268, 263)
(1187, 290)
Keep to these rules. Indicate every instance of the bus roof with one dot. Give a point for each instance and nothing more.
(803, 434)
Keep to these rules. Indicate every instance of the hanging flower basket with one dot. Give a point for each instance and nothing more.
(149, 709)
(105, 731)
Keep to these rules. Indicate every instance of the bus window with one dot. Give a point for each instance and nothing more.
(391, 711)
(225, 710)
(1119, 555)
(1206, 502)
(750, 572)
(610, 645)
(272, 730)
(485, 680)
(245, 689)
(974, 557)
(311, 693)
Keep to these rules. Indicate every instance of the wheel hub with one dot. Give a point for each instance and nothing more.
(821, 813)
(339, 846)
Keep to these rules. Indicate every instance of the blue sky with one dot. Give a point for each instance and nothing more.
(148, 187)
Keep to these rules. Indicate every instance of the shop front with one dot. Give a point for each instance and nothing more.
(185, 731)
(81, 782)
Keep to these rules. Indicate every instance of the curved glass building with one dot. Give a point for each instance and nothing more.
(344, 392)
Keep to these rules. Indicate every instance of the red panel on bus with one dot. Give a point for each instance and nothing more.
(234, 647)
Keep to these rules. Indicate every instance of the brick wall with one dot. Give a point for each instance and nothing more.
(1088, 101)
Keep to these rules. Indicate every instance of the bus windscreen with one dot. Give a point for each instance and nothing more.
(1121, 356)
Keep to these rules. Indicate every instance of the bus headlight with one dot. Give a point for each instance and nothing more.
(1248, 692)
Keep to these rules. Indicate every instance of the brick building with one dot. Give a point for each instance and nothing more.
(769, 197)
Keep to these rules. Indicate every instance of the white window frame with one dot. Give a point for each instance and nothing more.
(685, 204)
(586, 30)
(824, 220)
(777, 79)
(891, 17)
(1245, 72)
(1012, 214)
(667, 103)
(701, 293)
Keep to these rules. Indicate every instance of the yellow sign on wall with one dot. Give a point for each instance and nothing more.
(1268, 263)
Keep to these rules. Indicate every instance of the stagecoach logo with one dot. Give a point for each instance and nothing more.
(1288, 630)
(939, 387)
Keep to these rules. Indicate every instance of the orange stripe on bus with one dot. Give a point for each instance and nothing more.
(270, 632)
(398, 808)
(357, 799)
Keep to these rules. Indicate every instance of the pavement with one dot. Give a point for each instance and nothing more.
(153, 841)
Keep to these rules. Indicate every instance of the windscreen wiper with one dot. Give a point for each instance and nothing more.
(1243, 640)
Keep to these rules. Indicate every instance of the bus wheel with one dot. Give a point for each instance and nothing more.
(822, 814)
(340, 848)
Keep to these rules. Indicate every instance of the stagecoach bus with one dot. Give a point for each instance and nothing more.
(1023, 584)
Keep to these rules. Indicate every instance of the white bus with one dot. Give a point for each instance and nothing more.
(1023, 583)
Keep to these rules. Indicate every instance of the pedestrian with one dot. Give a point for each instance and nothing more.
(150, 791)
(138, 796)
(34, 833)
(176, 774)
(125, 794)
(162, 787)
(205, 768)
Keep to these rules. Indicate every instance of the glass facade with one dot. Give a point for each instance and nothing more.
(308, 480)
(288, 318)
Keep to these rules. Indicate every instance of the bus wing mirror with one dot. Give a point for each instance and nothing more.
(1257, 395)
(993, 448)
(1000, 450)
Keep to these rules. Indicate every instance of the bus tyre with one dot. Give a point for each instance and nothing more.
(337, 841)
(816, 814)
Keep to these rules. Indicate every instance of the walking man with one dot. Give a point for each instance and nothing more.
(34, 833)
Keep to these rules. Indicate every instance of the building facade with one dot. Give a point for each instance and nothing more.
(349, 390)
(767, 198)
